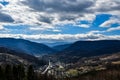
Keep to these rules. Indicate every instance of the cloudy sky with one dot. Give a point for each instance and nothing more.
(60, 20)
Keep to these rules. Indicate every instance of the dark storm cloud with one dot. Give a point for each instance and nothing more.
(71, 6)
(114, 5)
(109, 9)
(5, 18)
(45, 19)
(67, 17)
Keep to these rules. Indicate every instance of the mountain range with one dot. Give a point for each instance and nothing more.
(8, 56)
(52, 44)
(25, 46)
(87, 49)
(61, 47)
(72, 51)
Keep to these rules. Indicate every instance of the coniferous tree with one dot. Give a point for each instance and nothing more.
(15, 72)
(30, 73)
(8, 72)
(2, 75)
(21, 72)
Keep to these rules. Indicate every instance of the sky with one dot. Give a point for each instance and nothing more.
(60, 20)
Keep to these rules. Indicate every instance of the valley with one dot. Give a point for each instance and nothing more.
(65, 62)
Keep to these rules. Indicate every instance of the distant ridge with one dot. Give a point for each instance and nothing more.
(8, 56)
(61, 47)
(89, 48)
(57, 43)
(21, 45)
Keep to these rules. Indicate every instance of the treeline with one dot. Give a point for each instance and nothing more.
(16, 72)
(111, 73)
(19, 72)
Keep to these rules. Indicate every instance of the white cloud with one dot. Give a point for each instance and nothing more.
(83, 25)
(113, 29)
(1, 27)
(23, 13)
(46, 16)
(106, 5)
(56, 30)
(112, 20)
(37, 28)
(62, 37)
(1, 6)
(33, 12)
(3, 0)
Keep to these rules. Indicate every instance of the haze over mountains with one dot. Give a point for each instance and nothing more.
(61, 47)
(92, 48)
(81, 49)
(57, 44)
(8, 56)
(26, 46)
(65, 52)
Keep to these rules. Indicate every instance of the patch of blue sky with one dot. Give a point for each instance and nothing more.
(72, 29)
(17, 29)
(68, 28)
(115, 25)
(101, 18)
(116, 32)
(4, 3)
(84, 22)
